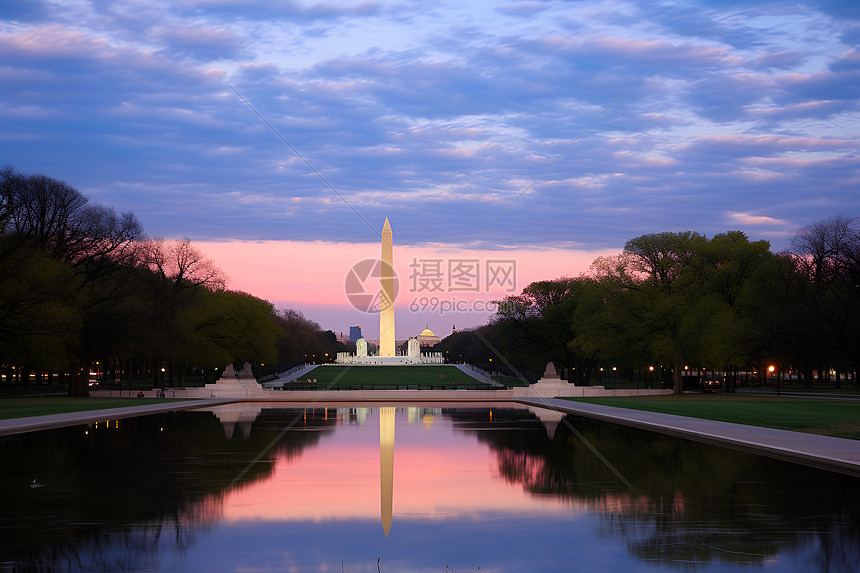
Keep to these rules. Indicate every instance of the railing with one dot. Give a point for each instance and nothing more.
(286, 373)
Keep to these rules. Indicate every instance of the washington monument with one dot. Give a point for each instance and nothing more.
(386, 313)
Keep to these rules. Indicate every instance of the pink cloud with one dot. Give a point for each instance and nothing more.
(766, 145)
(756, 220)
(638, 49)
(51, 40)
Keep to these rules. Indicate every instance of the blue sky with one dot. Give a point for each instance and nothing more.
(740, 117)
(440, 116)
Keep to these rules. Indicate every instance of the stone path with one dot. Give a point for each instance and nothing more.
(825, 452)
(34, 423)
(286, 378)
(477, 375)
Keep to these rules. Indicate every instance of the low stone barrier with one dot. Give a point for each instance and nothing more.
(379, 394)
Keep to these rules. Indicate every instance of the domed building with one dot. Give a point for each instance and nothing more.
(427, 338)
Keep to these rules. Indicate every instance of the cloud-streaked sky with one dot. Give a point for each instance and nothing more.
(453, 119)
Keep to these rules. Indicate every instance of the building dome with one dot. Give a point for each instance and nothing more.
(427, 338)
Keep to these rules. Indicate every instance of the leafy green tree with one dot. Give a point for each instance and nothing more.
(51, 217)
(298, 341)
(728, 269)
(604, 331)
(331, 346)
(176, 279)
(651, 290)
(225, 327)
(39, 316)
(540, 323)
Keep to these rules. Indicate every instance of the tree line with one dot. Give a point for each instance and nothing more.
(81, 284)
(680, 299)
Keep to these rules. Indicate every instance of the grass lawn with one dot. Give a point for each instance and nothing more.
(24, 407)
(827, 417)
(389, 376)
(510, 381)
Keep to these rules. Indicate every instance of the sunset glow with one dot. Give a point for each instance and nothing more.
(311, 276)
(454, 475)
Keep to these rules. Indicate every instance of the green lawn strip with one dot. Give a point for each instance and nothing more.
(26, 407)
(827, 417)
(389, 376)
(510, 381)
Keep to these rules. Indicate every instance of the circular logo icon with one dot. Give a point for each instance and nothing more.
(364, 286)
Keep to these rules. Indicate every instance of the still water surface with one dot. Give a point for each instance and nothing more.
(387, 489)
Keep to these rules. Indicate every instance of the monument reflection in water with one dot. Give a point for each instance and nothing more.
(500, 489)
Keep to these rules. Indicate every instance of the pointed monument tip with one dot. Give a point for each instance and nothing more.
(387, 225)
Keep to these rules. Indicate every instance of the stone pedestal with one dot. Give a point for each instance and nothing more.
(233, 385)
(551, 385)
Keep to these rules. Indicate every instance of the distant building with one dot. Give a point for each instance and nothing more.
(354, 333)
(427, 338)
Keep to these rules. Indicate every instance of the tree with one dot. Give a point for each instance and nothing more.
(604, 331)
(53, 218)
(225, 327)
(176, 279)
(43, 211)
(728, 269)
(180, 264)
(39, 317)
(650, 290)
(298, 341)
(8, 183)
(540, 323)
(827, 254)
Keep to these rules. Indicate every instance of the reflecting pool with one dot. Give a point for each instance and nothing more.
(393, 488)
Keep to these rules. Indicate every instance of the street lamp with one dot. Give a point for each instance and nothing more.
(770, 369)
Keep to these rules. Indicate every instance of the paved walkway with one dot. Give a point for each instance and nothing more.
(34, 423)
(289, 376)
(479, 376)
(832, 454)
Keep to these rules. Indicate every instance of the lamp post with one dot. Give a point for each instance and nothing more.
(770, 369)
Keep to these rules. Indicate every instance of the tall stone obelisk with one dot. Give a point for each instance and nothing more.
(386, 306)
